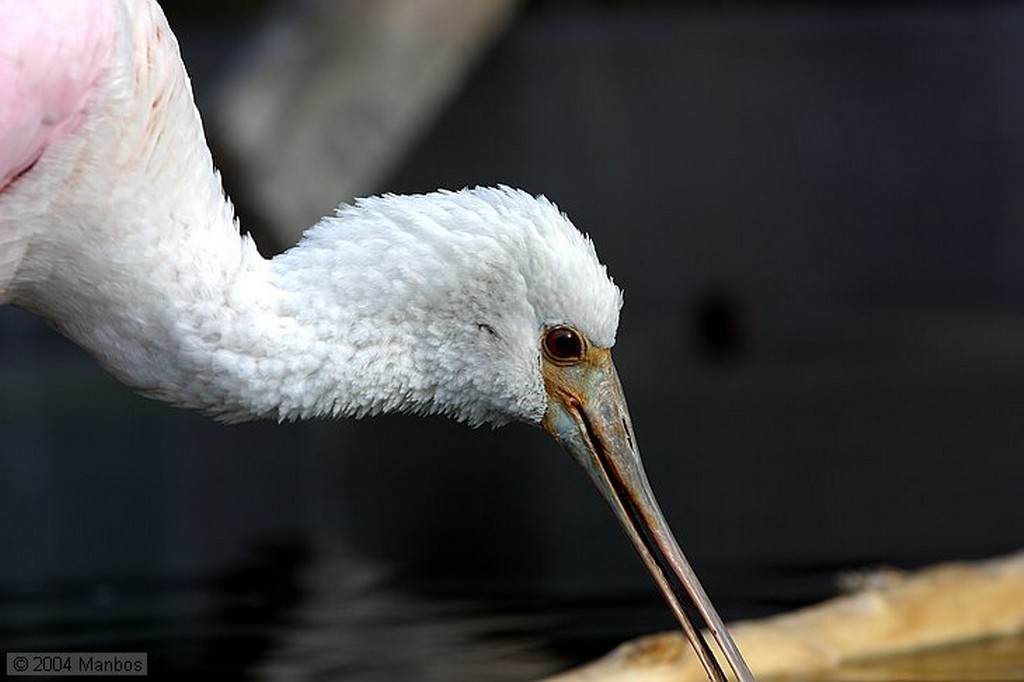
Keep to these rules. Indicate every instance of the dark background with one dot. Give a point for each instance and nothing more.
(815, 213)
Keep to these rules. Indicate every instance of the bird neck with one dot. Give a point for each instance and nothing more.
(174, 302)
(127, 244)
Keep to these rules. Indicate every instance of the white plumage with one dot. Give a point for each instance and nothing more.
(429, 303)
(437, 302)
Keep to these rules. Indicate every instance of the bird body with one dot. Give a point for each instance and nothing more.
(485, 304)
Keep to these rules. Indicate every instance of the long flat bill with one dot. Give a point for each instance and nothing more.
(587, 415)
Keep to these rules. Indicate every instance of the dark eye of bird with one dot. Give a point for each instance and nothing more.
(563, 344)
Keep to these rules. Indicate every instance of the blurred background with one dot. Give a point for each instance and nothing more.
(815, 213)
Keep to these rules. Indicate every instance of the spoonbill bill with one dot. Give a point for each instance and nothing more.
(486, 304)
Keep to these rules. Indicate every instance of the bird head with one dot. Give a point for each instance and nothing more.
(449, 302)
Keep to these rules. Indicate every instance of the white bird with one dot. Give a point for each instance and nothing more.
(486, 304)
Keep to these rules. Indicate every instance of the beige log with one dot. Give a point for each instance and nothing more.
(895, 614)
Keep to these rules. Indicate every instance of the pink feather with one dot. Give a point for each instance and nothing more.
(51, 56)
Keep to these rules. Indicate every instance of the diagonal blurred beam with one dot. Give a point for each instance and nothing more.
(331, 94)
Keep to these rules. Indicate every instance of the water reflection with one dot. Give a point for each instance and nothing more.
(350, 626)
(292, 612)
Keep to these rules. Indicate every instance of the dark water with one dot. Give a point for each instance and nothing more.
(303, 612)
(289, 613)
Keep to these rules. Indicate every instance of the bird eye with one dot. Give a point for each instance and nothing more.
(564, 344)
